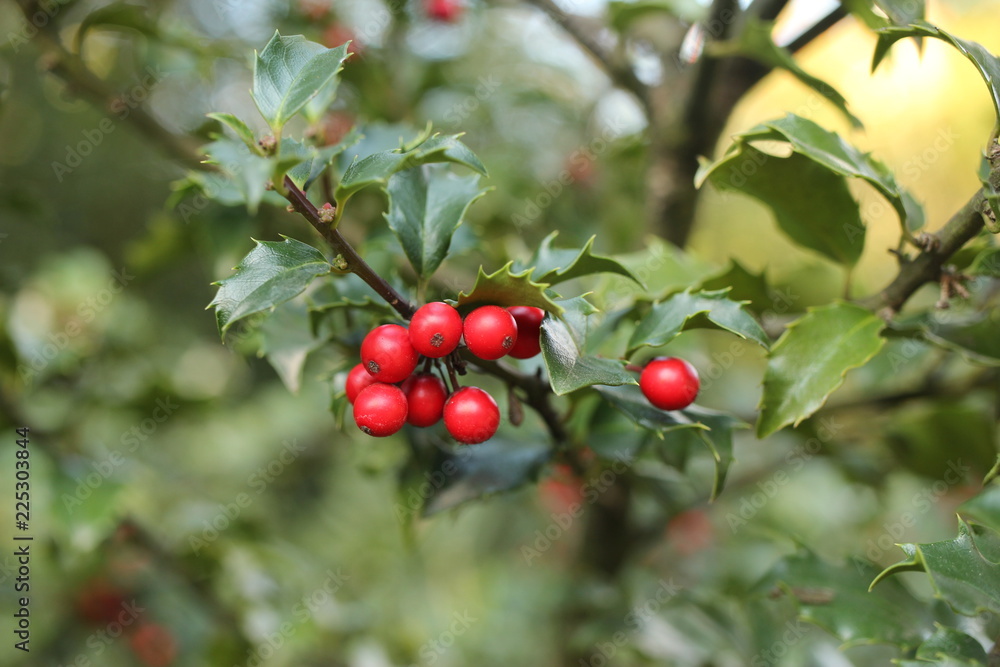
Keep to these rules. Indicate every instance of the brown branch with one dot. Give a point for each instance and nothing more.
(820, 27)
(355, 263)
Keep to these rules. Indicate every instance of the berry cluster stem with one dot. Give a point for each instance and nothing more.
(355, 263)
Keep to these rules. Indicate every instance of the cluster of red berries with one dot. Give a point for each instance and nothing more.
(387, 392)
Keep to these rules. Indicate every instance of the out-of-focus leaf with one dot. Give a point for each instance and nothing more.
(286, 339)
(242, 130)
(569, 369)
(556, 265)
(290, 71)
(305, 172)
(810, 360)
(689, 310)
(426, 205)
(622, 14)
(505, 288)
(837, 599)
(248, 171)
(948, 646)
(964, 572)
(986, 263)
(917, 431)
(984, 507)
(270, 274)
(743, 286)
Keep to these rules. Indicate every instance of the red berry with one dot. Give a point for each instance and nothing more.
(490, 332)
(387, 354)
(471, 415)
(100, 602)
(529, 328)
(425, 397)
(669, 383)
(435, 329)
(444, 10)
(357, 380)
(380, 409)
(154, 645)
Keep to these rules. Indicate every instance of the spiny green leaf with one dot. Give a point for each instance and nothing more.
(810, 360)
(242, 130)
(754, 40)
(569, 369)
(964, 572)
(835, 598)
(248, 171)
(289, 72)
(505, 288)
(426, 205)
(987, 64)
(669, 318)
(952, 647)
(744, 286)
(270, 274)
(556, 265)
(984, 507)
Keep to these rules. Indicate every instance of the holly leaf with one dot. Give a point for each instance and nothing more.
(505, 288)
(569, 369)
(286, 339)
(964, 572)
(556, 265)
(272, 273)
(688, 310)
(289, 72)
(426, 205)
(898, 12)
(836, 598)
(246, 170)
(984, 506)
(306, 170)
(948, 646)
(810, 361)
(987, 64)
(241, 129)
(754, 41)
(376, 168)
(748, 288)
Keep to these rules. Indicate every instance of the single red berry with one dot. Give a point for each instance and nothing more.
(357, 380)
(387, 354)
(154, 645)
(529, 329)
(380, 409)
(471, 415)
(669, 383)
(100, 602)
(425, 397)
(435, 329)
(490, 332)
(444, 10)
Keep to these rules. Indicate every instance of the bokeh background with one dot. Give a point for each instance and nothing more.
(237, 523)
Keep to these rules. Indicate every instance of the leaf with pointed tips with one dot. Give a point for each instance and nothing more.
(272, 273)
(569, 369)
(242, 130)
(505, 288)
(556, 265)
(688, 310)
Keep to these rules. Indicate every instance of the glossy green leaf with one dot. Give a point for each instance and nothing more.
(286, 339)
(319, 104)
(556, 265)
(836, 598)
(750, 288)
(948, 646)
(810, 360)
(305, 172)
(242, 130)
(899, 12)
(248, 171)
(964, 572)
(688, 310)
(987, 64)
(829, 150)
(506, 288)
(290, 71)
(270, 274)
(754, 41)
(569, 369)
(376, 169)
(472, 472)
(984, 507)
(426, 205)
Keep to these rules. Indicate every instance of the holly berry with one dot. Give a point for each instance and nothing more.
(471, 415)
(490, 332)
(387, 354)
(100, 602)
(669, 383)
(435, 329)
(447, 11)
(380, 409)
(425, 397)
(529, 328)
(154, 645)
(357, 379)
